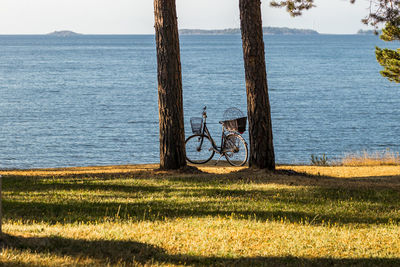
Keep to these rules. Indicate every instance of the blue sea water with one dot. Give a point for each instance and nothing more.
(92, 100)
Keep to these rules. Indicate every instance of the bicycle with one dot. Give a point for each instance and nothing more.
(201, 147)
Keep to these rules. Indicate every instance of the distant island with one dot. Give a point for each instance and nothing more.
(63, 33)
(266, 30)
(369, 32)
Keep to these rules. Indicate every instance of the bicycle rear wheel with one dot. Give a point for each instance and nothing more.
(199, 149)
(235, 150)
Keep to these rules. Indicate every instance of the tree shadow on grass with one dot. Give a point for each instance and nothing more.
(195, 176)
(160, 210)
(128, 253)
(290, 178)
(199, 195)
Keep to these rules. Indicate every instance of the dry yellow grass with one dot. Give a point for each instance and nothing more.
(223, 216)
(197, 241)
(377, 158)
(333, 171)
(81, 170)
(346, 171)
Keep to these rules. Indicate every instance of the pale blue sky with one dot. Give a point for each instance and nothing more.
(136, 16)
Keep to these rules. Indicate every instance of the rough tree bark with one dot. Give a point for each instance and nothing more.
(170, 103)
(258, 108)
(1, 213)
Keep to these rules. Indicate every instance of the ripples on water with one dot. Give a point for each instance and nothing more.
(92, 100)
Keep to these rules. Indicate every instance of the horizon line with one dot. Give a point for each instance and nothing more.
(192, 29)
(86, 34)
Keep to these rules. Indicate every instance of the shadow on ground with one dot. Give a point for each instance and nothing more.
(131, 253)
(195, 194)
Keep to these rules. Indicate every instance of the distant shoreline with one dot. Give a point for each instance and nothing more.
(152, 34)
(236, 31)
(63, 33)
(187, 32)
(226, 31)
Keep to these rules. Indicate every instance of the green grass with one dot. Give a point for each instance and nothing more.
(243, 218)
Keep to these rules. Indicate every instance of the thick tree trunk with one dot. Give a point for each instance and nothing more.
(170, 103)
(1, 212)
(258, 108)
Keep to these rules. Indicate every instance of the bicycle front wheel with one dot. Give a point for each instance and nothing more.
(199, 149)
(235, 150)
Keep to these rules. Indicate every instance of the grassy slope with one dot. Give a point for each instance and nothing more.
(128, 215)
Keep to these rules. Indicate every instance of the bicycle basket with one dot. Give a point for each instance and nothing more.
(196, 124)
(237, 125)
(234, 120)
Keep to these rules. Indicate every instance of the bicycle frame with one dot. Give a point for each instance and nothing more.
(206, 132)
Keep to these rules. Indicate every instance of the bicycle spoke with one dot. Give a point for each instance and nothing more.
(235, 150)
(199, 149)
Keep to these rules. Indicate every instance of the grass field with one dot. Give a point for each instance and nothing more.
(134, 215)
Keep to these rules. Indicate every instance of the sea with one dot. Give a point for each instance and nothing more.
(91, 100)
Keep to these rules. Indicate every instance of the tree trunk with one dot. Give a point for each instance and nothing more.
(1, 213)
(258, 108)
(170, 103)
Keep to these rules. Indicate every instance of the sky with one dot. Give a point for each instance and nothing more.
(137, 17)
